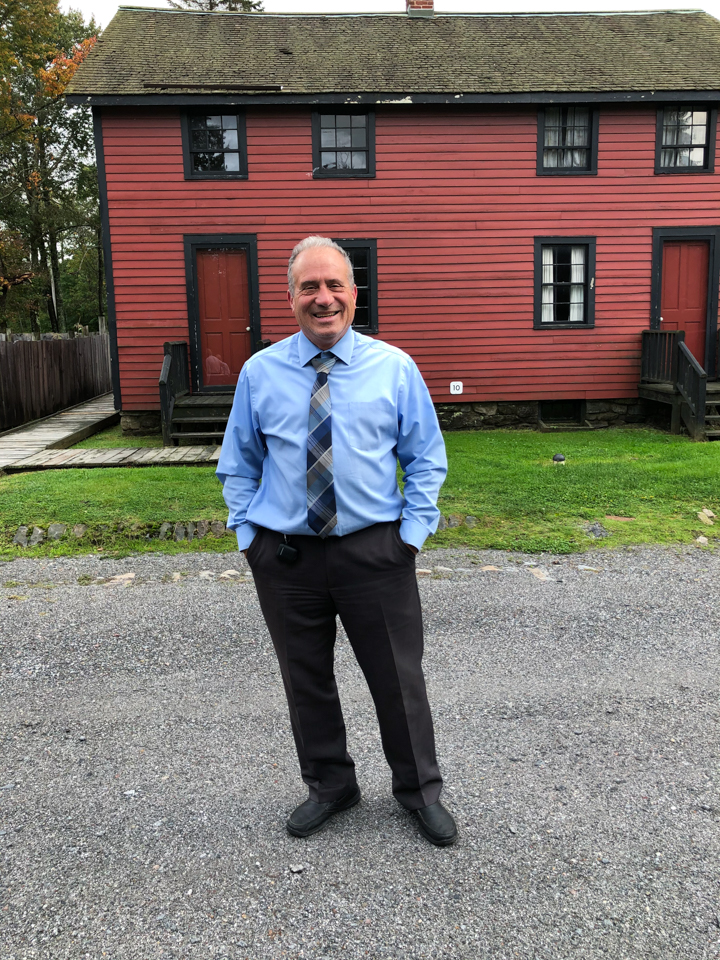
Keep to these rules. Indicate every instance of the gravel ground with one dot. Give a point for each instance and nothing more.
(147, 768)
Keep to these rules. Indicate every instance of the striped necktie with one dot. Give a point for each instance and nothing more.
(322, 510)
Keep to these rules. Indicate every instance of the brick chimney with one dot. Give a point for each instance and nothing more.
(419, 8)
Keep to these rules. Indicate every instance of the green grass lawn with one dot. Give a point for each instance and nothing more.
(114, 437)
(506, 479)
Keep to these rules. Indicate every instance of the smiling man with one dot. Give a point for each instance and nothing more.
(309, 473)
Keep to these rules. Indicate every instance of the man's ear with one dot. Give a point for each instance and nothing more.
(290, 298)
(354, 293)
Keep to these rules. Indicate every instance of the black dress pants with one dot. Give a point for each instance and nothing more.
(368, 579)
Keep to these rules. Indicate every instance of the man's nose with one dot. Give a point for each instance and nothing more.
(324, 295)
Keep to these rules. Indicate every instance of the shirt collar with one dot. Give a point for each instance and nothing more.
(343, 349)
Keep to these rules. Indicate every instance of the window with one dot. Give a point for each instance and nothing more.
(214, 146)
(567, 140)
(363, 256)
(564, 282)
(343, 144)
(685, 139)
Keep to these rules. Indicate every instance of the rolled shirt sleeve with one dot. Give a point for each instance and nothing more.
(422, 457)
(240, 466)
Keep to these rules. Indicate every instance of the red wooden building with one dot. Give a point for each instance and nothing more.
(522, 196)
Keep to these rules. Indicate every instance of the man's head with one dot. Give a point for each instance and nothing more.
(321, 290)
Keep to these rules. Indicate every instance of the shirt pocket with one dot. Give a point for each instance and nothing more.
(372, 425)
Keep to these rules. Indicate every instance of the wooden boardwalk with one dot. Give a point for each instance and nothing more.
(59, 431)
(116, 457)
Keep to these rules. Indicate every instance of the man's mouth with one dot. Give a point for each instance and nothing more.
(326, 316)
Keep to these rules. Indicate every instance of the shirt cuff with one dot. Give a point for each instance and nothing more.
(413, 533)
(245, 535)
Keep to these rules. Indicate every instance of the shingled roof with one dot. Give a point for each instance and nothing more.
(146, 52)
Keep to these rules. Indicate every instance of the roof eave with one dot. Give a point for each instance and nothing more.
(390, 99)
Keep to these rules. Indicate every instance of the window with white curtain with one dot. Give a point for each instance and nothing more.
(565, 284)
(685, 139)
(567, 140)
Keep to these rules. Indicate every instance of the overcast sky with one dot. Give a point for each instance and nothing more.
(103, 10)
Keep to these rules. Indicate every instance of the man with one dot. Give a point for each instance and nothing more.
(322, 418)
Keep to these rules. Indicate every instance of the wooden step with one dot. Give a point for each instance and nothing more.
(206, 400)
(190, 434)
(188, 417)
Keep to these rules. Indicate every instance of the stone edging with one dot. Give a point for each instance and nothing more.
(189, 530)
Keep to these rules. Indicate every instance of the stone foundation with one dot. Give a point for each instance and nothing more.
(488, 416)
(513, 415)
(140, 423)
(616, 413)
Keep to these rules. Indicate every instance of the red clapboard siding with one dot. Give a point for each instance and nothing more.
(455, 207)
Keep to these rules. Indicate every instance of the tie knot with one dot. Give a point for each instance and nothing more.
(324, 362)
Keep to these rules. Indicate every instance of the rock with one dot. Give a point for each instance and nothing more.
(190, 529)
(37, 537)
(419, 572)
(454, 520)
(471, 522)
(559, 458)
(443, 570)
(201, 528)
(489, 566)
(512, 829)
(206, 575)
(297, 868)
(540, 574)
(57, 530)
(176, 577)
(217, 528)
(228, 574)
(584, 566)
(179, 531)
(701, 540)
(596, 530)
(442, 524)
(164, 530)
(21, 537)
(708, 513)
(79, 530)
(464, 570)
(704, 518)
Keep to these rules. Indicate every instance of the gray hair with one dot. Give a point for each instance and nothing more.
(310, 243)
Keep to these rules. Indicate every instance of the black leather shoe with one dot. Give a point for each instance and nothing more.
(310, 816)
(437, 825)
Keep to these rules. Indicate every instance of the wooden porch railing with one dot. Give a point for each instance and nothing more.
(691, 382)
(174, 382)
(659, 355)
(667, 360)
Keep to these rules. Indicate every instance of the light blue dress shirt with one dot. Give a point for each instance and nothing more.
(381, 414)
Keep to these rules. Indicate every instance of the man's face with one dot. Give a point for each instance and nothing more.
(324, 298)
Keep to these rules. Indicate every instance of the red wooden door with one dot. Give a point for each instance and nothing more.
(683, 304)
(224, 314)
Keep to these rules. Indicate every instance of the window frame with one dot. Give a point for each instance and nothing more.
(592, 169)
(190, 173)
(712, 129)
(317, 171)
(371, 246)
(590, 283)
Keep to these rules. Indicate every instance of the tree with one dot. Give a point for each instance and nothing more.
(44, 145)
(226, 6)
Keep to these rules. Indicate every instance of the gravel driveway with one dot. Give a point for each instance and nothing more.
(147, 768)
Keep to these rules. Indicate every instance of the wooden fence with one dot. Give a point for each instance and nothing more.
(40, 377)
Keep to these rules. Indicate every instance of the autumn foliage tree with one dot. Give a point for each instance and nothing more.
(45, 149)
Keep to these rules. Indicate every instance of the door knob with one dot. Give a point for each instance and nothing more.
(248, 329)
